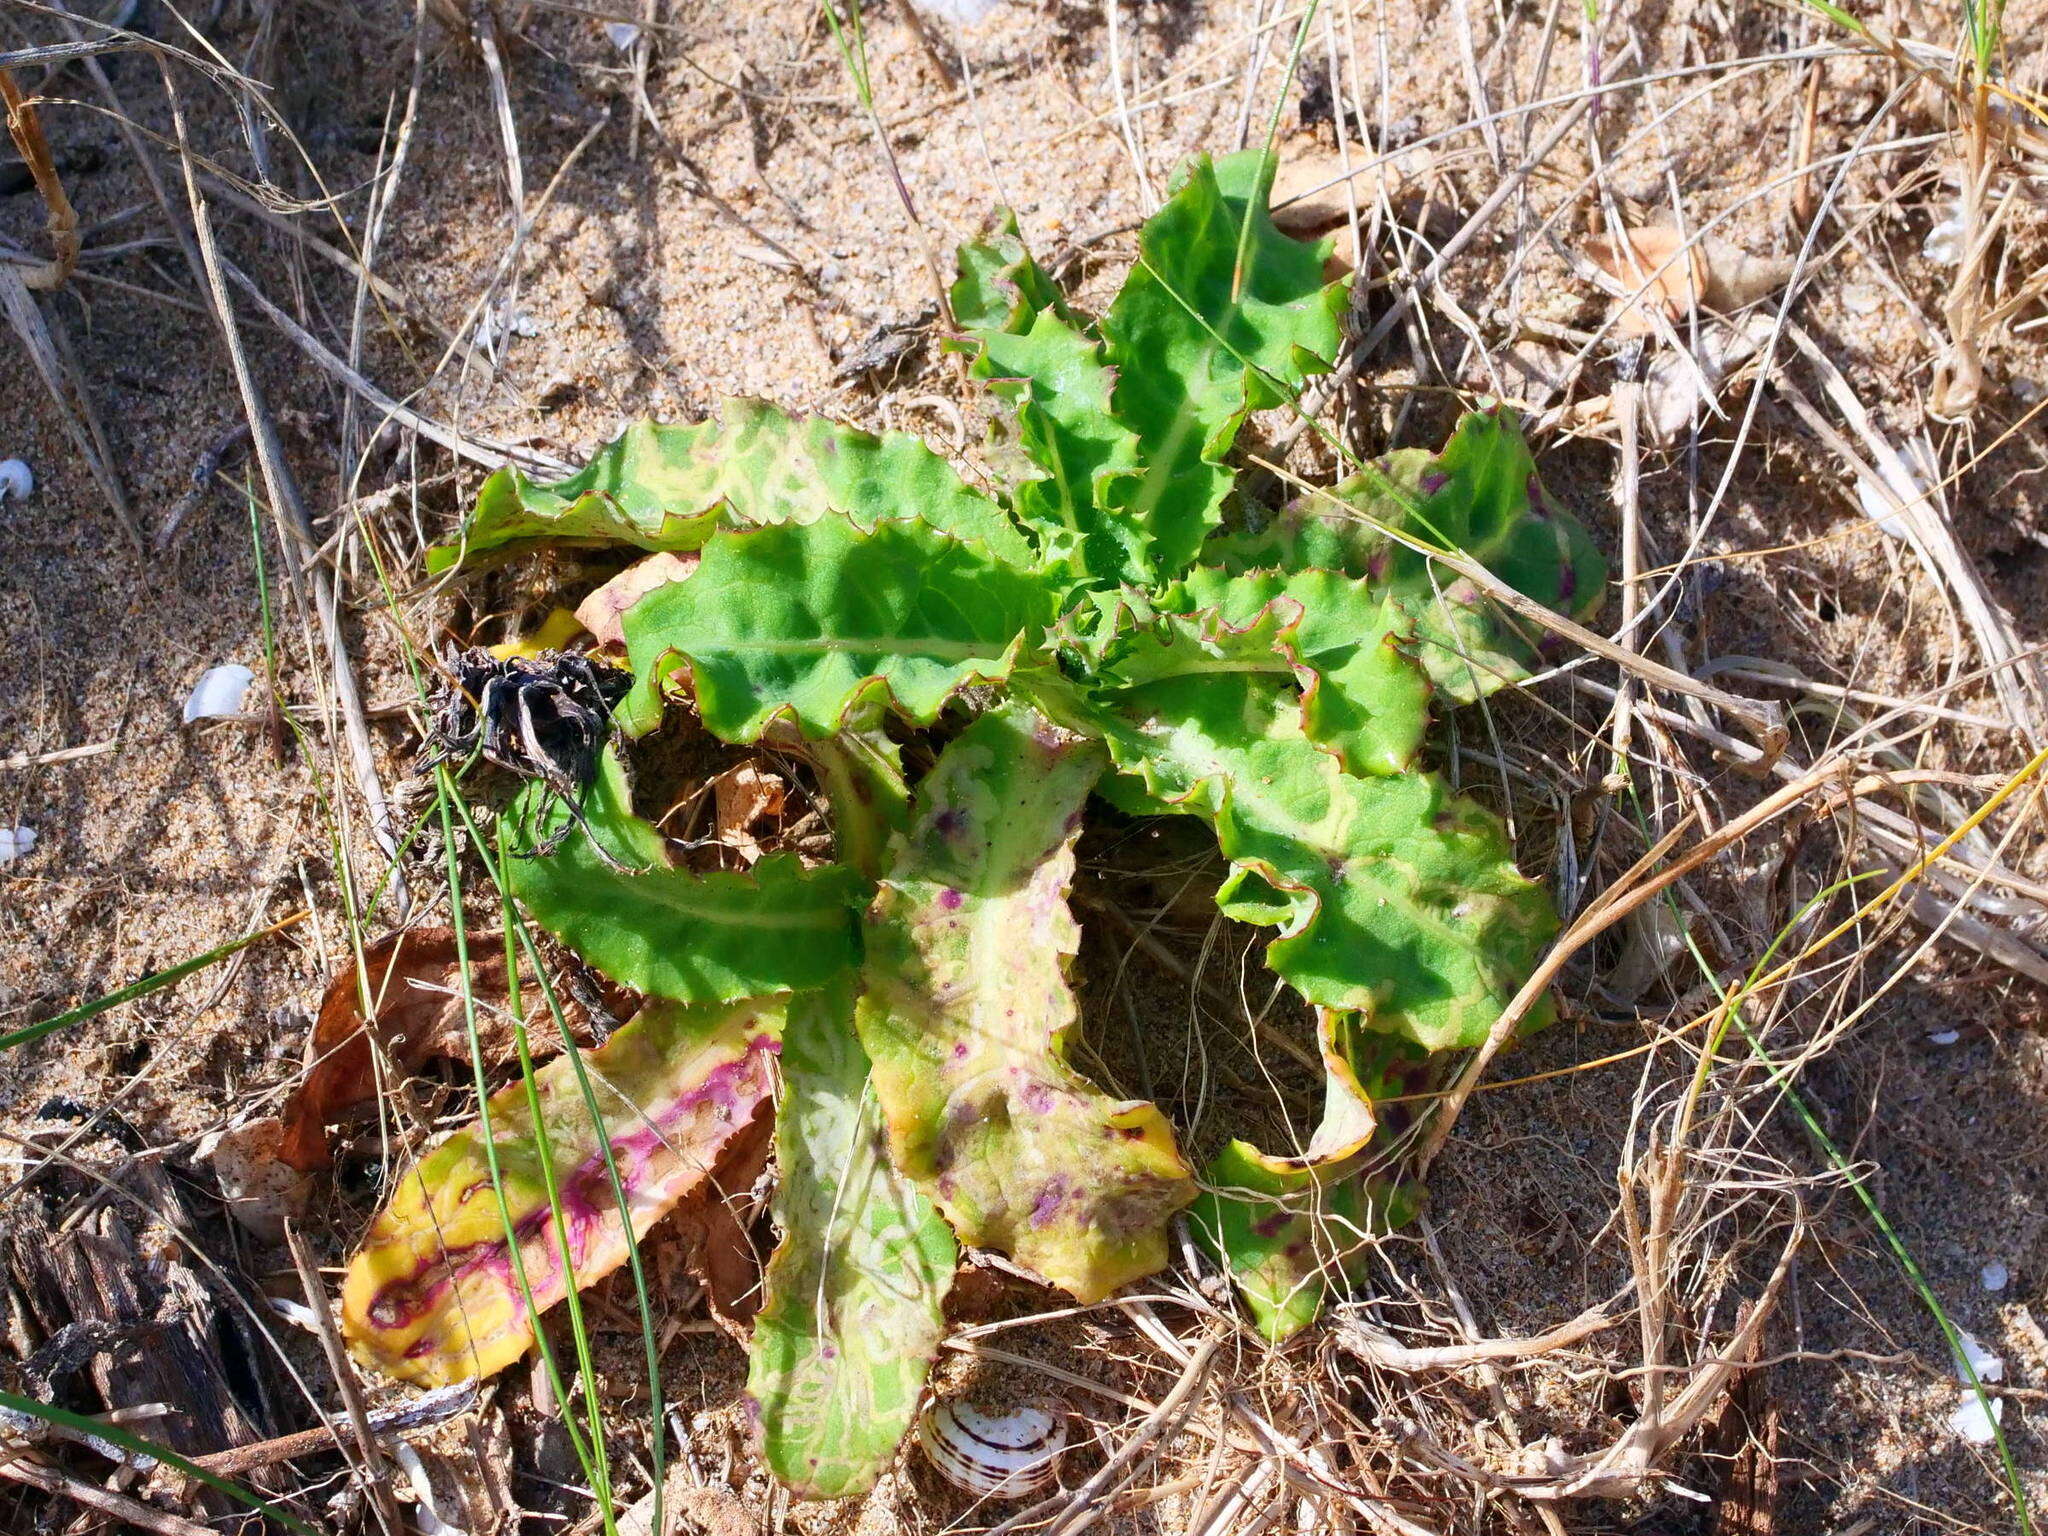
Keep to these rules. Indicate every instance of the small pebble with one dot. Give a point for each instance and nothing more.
(1995, 1276)
(16, 842)
(16, 479)
(1944, 1037)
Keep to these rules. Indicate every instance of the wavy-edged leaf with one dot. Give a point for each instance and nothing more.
(1364, 695)
(1200, 339)
(807, 622)
(852, 1317)
(670, 487)
(661, 929)
(1395, 897)
(435, 1294)
(968, 1010)
(1252, 638)
(1481, 495)
(1292, 1228)
(1057, 383)
(1000, 288)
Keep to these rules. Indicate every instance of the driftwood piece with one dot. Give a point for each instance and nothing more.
(106, 1310)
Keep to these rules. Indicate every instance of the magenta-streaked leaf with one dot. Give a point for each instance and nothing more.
(436, 1295)
(968, 1010)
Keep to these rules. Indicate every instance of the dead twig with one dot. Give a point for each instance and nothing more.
(231, 443)
(431, 1408)
(22, 760)
(37, 1474)
(25, 127)
(288, 509)
(1637, 886)
(1764, 718)
(377, 1486)
(53, 364)
(1389, 1354)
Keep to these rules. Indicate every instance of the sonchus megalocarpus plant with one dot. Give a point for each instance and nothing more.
(1111, 624)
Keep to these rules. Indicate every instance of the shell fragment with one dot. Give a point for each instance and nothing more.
(219, 693)
(1007, 1455)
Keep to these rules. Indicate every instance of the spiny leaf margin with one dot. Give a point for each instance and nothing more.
(669, 486)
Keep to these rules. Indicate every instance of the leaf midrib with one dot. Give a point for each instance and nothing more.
(944, 650)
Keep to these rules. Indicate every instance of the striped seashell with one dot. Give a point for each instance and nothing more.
(1007, 1455)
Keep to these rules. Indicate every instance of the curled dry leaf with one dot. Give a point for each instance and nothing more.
(413, 980)
(1314, 192)
(710, 1231)
(746, 799)
(603, 612)
(1665, 274)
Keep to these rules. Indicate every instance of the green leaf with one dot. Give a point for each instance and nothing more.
(671, 487)
(662, 930)
(1000, 288)
(968, 1010)
(1292, 1229)
(1481, 496)
(1200, 644)
(435, 1294)
(1198, 343)
(1056, 381)
(852, 1316)
(861, 771)
(1350, 642)
(807, 622)
(1395, 897)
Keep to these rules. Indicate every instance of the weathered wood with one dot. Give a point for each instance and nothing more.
(105, 1309)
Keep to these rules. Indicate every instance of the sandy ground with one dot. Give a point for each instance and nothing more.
(735, 230)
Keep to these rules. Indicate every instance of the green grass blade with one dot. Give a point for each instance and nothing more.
(115, 1434)
(155, 982)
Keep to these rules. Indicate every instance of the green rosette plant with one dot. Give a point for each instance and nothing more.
(1114, 625)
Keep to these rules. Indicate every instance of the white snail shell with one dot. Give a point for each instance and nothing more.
(1007, 1455)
